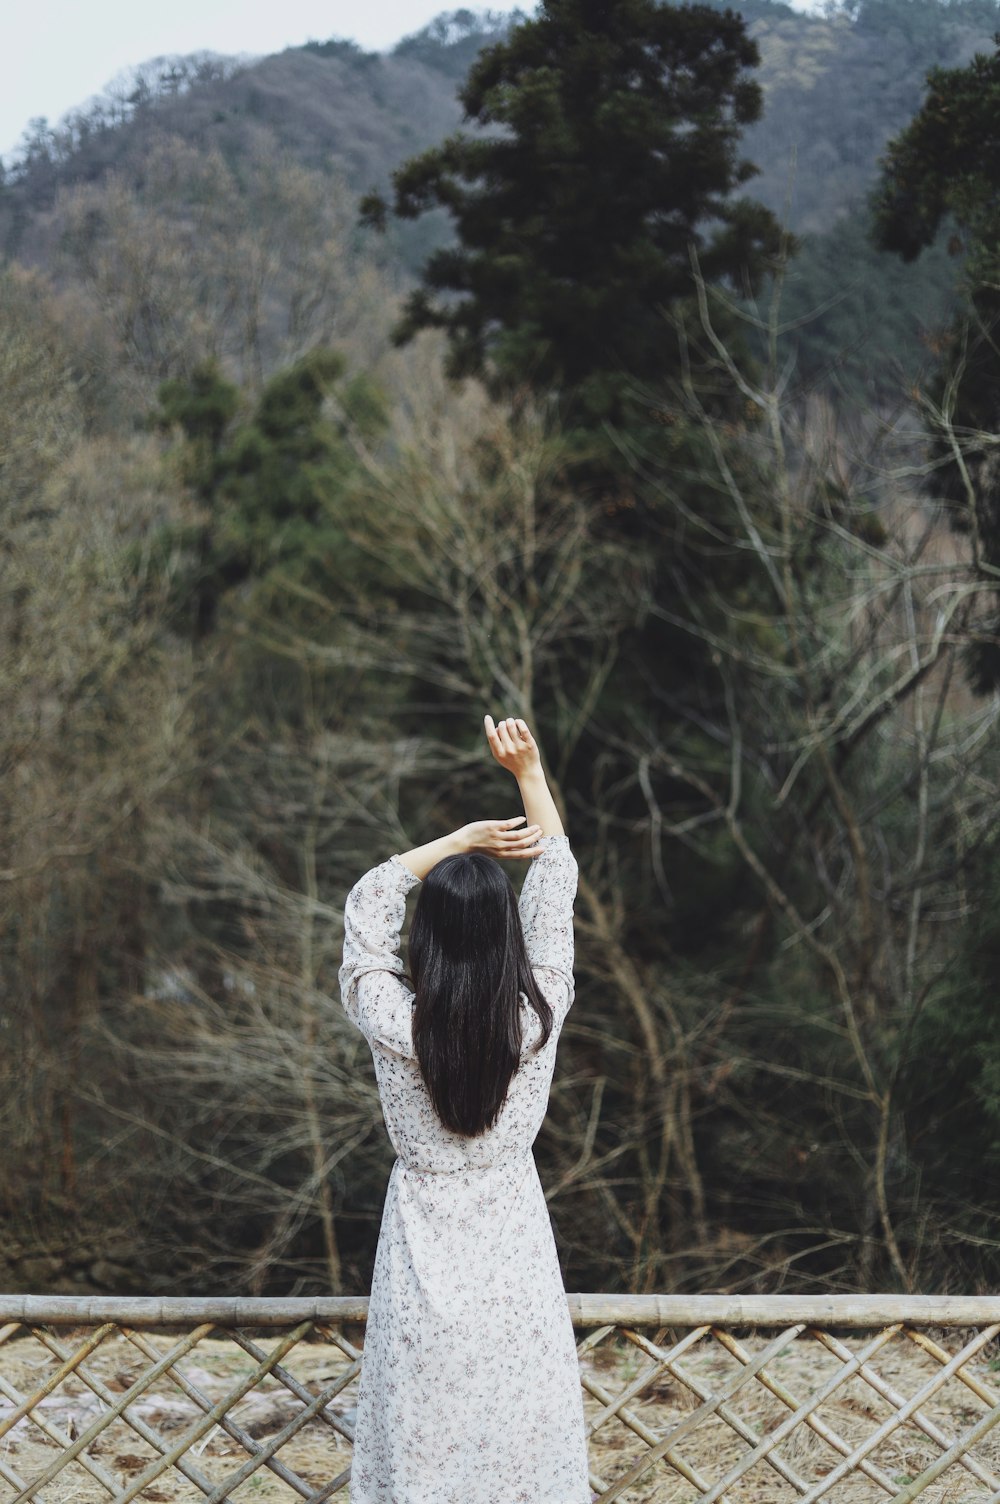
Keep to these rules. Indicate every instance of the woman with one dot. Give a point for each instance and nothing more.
(469, 1390)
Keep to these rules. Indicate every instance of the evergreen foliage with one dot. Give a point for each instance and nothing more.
(860, 325)
(451, 42)
(946, 164)
(950, 1080)
(269, 485)
(618, 149)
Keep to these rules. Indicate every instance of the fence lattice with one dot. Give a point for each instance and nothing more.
(687, 1398)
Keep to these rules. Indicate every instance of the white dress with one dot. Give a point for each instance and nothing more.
(469, 1390)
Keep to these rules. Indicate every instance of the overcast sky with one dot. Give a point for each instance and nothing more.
(55, 54)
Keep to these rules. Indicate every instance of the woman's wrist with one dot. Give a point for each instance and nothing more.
(422, 858)
(532, 778)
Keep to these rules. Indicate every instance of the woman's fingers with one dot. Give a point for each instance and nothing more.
(496, 735)
(528, 847)
(510, 838)
(516, 842)
(508, 736)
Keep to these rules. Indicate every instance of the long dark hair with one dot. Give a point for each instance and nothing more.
(468, 964)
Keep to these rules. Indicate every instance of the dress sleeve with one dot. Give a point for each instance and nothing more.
(375, 997)
(546, 908)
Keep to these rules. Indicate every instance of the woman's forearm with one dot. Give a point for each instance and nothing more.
(422, 858)
(539, 805)
(515, 749)
(513, 839)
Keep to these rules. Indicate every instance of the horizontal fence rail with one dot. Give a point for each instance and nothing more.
(687, 1398)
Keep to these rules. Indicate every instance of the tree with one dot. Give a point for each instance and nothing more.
(839, 765)
(267, 484)
(772, 849)
(250, 265)
(955, 1114)
(612, 144)
(93, 732)
(946, 164)
(453, 39)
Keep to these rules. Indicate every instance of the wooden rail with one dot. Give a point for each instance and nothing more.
(742, 1399)
(858, 1311)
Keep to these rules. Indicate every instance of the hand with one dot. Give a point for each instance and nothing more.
(500, 838)
(513, 746)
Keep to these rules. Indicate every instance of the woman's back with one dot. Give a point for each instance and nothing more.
(382, 1003)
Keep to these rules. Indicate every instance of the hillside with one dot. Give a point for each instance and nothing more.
(836, 88)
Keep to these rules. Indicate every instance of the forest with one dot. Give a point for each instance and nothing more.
(631, 368)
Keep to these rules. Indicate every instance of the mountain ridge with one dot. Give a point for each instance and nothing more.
(836, 88)
(334, 105)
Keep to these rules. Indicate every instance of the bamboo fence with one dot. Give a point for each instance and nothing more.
(687, 1398)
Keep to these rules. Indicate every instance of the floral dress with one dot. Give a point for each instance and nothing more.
(469, 1390)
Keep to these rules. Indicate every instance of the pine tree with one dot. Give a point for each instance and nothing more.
(610, 147)
(270, 486)
(945, 167)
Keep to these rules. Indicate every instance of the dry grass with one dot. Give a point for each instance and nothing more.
(318, 1455)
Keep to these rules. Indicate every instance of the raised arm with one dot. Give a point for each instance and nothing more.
(548, 891)
(372, 985)
(546, 909)
(499, 838)
(515, 749)
(372, 971)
